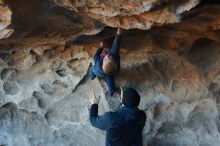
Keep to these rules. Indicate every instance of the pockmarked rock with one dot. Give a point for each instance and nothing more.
(173, 62)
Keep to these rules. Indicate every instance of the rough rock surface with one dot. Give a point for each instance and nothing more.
(129, 14)
(5, 20)
(44, 94)
(39, 22)
(42, 108)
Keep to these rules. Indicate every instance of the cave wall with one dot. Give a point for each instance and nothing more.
(5, 20)
(141, 14)
(44, 94)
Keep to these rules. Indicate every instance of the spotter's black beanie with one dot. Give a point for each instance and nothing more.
(131, 98)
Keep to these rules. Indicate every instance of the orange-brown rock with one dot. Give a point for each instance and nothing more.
(45, 89)
(5, 20)
(142, 14)
(39, 22)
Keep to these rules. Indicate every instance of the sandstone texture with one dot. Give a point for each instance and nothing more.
(5, 20)
(45, 89)
(41, 22)
(129, 14)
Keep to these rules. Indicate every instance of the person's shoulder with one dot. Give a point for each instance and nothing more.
(113, 113)
(115, 116)
(142, 114)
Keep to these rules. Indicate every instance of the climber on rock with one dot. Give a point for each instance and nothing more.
(123, 127)
(107, 63)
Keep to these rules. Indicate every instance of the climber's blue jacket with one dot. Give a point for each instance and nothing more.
(97, 70)
(123, 127)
